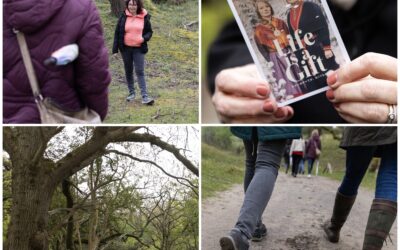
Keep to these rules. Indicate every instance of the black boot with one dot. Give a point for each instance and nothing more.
(341, 210)
(381, 217)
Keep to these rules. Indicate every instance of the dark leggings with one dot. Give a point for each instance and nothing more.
(357, 162)
(296, 162)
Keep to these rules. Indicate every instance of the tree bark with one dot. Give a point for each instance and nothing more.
(117, 7)
(29, 221)
(30, 191)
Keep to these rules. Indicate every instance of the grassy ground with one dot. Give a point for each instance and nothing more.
(221, 169)
(171, 67)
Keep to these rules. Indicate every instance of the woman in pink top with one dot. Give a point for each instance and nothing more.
(131, 35)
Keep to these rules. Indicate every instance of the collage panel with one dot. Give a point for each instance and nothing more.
(90, 62)
(116, 136)
(299, 188)
(109, 188)
(299, 61)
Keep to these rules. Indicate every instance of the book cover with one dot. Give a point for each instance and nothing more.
(294, 43)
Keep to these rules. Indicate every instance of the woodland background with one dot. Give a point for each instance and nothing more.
(81, 188)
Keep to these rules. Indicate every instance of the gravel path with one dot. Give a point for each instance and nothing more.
(297, 209)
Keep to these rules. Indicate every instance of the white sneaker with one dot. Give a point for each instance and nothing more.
(309, 176)
(147, 100)
(130, 97)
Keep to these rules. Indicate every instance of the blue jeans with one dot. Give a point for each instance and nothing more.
(310, 164)
(357, 162)
(301, 167)
(259, 190)
(134, 59)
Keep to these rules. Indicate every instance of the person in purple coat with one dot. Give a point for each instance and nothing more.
(313, 149)
(49, 25)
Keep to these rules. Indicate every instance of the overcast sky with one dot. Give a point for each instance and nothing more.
(186, 138)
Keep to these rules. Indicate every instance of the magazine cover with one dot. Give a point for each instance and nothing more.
(294, 43)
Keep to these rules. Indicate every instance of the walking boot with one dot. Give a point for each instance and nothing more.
(381, 217)
(259, 233)
(234, 241)
(341, 210)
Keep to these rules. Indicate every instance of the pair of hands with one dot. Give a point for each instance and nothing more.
(360, 91)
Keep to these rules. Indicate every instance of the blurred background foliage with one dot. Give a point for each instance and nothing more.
(215, 13)
(223, 158)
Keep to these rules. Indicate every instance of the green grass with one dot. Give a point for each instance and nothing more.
(221, 169)
(332, 153)
(336, 156)
(171, 67)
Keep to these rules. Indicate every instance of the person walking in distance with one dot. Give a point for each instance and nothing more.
(313, 150)
(297, 151)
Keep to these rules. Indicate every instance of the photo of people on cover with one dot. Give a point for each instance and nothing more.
(294, 44)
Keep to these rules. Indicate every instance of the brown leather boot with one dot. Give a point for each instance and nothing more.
(341, 210)
(381, 217)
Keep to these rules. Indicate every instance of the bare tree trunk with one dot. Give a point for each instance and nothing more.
(29, 220)
(117, 7)
(78, 233)
(31, 195)
(94, 213)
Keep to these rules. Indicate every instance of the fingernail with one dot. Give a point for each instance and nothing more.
(280, 113)
(268, 107)
(330, 95)
(262, 90)
(290, 112)
(332, 78)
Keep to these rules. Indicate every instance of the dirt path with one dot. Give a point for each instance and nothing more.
(293, 217)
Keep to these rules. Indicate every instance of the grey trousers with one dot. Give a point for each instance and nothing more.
(261, 186)
(134, 60)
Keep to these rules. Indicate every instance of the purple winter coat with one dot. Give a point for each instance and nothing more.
(49, 25)
(311, 147)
